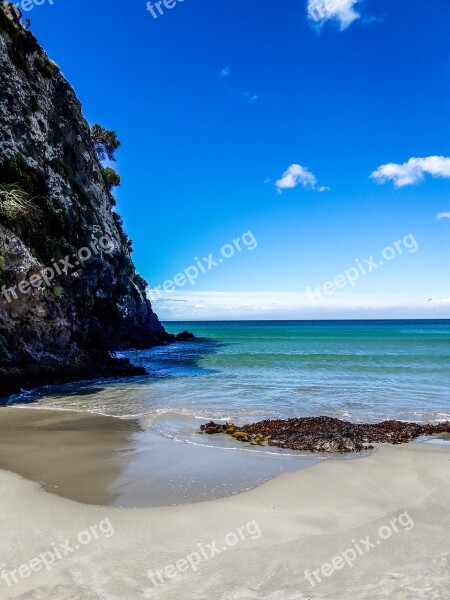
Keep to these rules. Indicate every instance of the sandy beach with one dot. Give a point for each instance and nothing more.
(375, 527)
(224, 309)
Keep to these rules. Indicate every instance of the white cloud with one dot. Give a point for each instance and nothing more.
(413, 171)
(297, 175)
(343, 11)
(443, 215)
(225, 72)
(180, 305)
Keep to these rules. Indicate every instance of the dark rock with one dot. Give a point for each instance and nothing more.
(87, 366)
(185, 336)
(212, 427)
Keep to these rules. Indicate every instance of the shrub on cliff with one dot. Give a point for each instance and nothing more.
(111, 177)
(105, 142)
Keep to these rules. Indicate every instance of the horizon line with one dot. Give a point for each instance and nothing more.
(295, 320)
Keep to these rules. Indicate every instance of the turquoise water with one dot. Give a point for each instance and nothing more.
(358, 370)
(247, 370)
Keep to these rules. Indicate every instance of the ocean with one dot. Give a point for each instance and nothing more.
(246, 371)
(249, 370)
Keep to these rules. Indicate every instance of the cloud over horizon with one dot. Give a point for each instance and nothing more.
(297, 175)
(413, 171)
(181, 305)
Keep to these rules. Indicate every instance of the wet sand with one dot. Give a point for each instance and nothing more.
(75, 455)
(95, 459)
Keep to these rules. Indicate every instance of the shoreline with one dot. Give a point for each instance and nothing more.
(299, 522)
(111, 461)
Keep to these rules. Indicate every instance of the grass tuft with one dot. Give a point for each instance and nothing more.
(15, 203)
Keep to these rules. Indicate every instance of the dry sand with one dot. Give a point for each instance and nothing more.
(299, 521)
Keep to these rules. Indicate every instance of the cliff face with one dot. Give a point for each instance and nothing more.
(63, 324)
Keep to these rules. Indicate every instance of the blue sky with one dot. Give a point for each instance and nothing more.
(252, 117)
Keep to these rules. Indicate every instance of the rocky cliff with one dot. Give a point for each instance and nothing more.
(58, 322)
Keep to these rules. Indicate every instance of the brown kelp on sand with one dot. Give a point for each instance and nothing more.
(325, 434)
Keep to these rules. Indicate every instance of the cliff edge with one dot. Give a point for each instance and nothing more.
(69, 289)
